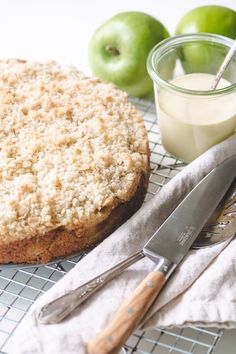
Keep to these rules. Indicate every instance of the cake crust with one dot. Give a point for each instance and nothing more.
(62, 243)
(74, 161)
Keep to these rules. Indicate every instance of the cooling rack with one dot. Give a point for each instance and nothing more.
(21, 286)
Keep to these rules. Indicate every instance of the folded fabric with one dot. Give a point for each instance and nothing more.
(202, 291)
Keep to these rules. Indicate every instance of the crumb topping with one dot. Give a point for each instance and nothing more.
(70, 147)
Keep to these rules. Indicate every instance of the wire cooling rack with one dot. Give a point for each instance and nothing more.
(21, 286)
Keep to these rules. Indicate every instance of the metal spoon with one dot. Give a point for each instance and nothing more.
(223, 66)
(221, 226)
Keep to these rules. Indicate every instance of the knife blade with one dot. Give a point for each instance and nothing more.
(167, 247)
(187, 220)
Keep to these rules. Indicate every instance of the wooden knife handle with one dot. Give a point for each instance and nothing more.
(124, 322)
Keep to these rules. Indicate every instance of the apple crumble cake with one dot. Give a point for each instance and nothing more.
(74, 160)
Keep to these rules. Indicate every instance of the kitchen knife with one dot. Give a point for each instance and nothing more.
(167, 247)
(220, 226)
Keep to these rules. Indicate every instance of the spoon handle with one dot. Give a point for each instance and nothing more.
(223, 66)
(61, 307)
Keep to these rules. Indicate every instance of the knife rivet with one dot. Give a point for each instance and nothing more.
(149, 284)
(110, 339)
(130, 310)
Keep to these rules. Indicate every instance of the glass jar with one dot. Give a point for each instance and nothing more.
(192, 120)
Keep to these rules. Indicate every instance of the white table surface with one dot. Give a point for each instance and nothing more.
(61, 30)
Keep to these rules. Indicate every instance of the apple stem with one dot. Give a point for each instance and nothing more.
(112, 50)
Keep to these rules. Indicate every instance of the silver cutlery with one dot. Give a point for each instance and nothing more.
(220, 226)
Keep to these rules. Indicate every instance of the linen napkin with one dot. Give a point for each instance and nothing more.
(202, 291)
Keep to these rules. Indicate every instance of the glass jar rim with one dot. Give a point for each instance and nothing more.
(187, 38)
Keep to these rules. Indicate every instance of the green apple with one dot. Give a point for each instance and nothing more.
(119, 48)
(211, 19)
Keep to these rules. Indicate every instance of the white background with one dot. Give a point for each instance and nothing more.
(61, 30)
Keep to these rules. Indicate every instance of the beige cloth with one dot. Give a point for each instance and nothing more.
(202, 291)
